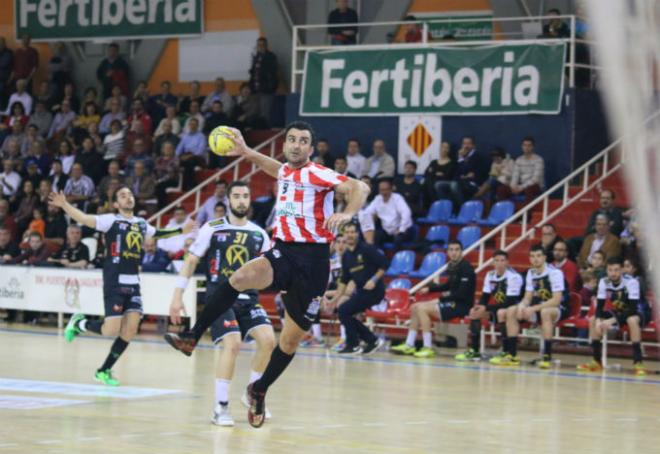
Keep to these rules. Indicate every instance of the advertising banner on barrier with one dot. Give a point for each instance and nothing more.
(107, 19)
(489, 80)
(70, 291)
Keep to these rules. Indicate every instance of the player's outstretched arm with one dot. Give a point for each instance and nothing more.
(177, 309)
(168, 233)
(356, 193)
(266, 163)
(58, 199)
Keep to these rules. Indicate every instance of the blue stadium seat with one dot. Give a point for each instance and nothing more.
(438, 235)
(439, 211)
(401, 282)
(409, 244)
(403, 262)
(432, 262)
(499, 213)
(469, 235)
(471, 211)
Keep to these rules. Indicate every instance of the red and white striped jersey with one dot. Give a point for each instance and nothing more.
(304, 202)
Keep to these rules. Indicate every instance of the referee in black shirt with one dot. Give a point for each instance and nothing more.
(363, 267)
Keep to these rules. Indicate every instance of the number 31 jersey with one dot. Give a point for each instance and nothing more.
(226, 247)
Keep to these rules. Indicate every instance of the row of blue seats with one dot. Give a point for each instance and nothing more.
(470, 213)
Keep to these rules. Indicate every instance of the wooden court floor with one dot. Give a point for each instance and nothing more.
(322, 404)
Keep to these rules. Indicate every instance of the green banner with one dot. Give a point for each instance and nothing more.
(478, 27)
(507, 79)
(107, 19)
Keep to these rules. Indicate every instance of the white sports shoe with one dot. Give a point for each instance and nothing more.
(246, 404)
(222, 416)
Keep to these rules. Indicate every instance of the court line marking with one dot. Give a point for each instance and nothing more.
(83, 439)
(374, 424)
(49, 442)
(510, 370)
(8, 445)
(333, 426)
(415, 423)
(458, 421)
(626, 419)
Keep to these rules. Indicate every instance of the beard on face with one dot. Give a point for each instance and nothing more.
(238, 213)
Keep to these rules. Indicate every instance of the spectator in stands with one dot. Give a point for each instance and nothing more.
(143, 186)
(246, 113)
(115, 114)
(25, 64)
(105, 204)
(439, 174)
(607, 208)
(122, 101)
(220, 210)
(141, 92)
(392, 215)
(158, 103)
(16, 120)
(166, 136)
(567, 266)
(380, 164)
(80, 189)
(600, 240)
(373, 192)
(455, 300)
(356, 162)
(154, 260)
(41, 118)
(596, 265)
(195, 95)
(17, 135)
(465, 182)
(113, 175)
(556, 28)
(528, 174)
(171, 118)
(32, 173)
(113, 142)
(323, 155)
(62, 122)
(343, 34)
(57, 177)
(220, 195)
(91, 96)
(263, 78)
(166, 172)
(215, 117)
(26, 201)
(74, 253)
(20, 96)
(501, 170)
(6, 219)
(220, 94)
(90, 115)
(6, 66)
(91, 161)
(113, 70)
(46, 96)
(9, 179)
(408, 186)
(191, 152)
(37, 223)
(8, 248)
(341, 167)
(415, 31)
(549, 238)
(138, 113)
(36, 254)
(60, 66)
(43, 191)
(66, 156)
(69, 95)
(31, 137)
(194, 114)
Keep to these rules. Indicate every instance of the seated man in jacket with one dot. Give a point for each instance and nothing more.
(154, 260)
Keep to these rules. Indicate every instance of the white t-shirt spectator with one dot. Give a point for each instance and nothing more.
(10, 183)
(356, 164)
(395, 215)
(24, 99)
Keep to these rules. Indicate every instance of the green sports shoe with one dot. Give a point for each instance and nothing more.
(72, 330)
(105, 377)
(425, 352)
(403, 349)
(470, 355)
(545, 362)
(498, 359)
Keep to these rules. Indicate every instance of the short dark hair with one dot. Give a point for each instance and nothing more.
(410, 18)
(554, 10)
(612, 193)
(552, 226)
(353, 139)
(341, 158)
(237, 184)
(57, 161)
(498, 152)
(537, 248)
(114, 194)
(386, 180)
(115, 45)
(302, 126)
(220, 204)
(220, 182)
(35, 234)
(450, 242)
(502, 253)
(323, 139)
(351, 225)
(615, 261)
(600, 252)
(410, 162)
(179, 208)
(529, 139)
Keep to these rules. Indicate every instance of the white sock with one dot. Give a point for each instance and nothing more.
(342, 332)
(222, 390)
(426, 336)
(316, 331)
(412, 335)
(82, 325)
(254, 376)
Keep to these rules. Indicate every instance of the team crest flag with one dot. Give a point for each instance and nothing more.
(419, 140)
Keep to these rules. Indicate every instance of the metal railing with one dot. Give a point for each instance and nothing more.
(234, 169)
(572, 188)
(300, 45)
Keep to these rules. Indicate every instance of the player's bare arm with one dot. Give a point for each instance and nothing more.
(266, 163)
(555, 301)
(177, 309)
(356, 193)
(58, 199)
